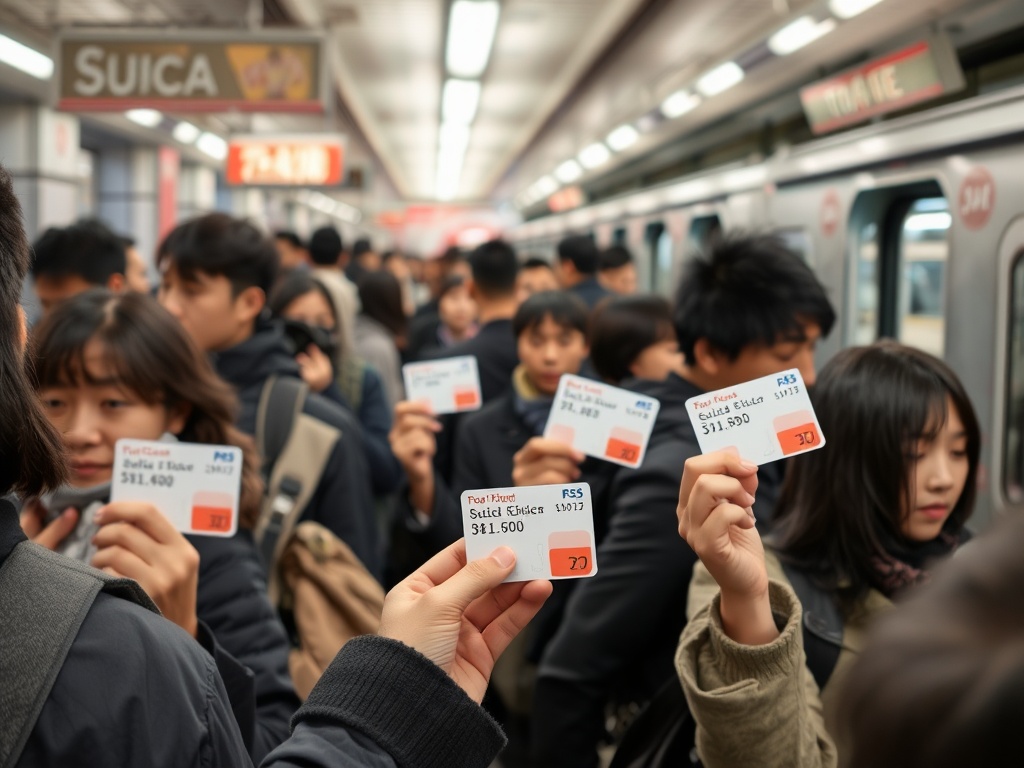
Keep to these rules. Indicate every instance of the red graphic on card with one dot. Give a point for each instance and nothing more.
(465, 398)
(620, 450)
(212, 512)
(799, 438)
(571, 561)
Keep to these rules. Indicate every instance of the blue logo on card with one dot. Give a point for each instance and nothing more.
(643, 406)
(228, 456)
(785, 381)
(572, 493)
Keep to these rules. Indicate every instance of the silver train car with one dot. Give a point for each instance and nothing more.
(915, 225)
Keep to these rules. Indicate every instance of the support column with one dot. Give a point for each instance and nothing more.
(128, 194)
(197, 192)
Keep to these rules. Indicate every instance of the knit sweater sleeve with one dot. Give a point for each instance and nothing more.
(753, 705)
(380, 703)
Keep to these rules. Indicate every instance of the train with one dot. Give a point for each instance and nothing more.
(915, 225)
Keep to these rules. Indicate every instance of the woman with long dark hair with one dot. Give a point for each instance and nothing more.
(381, 330)
(862, 520)
(109, 367)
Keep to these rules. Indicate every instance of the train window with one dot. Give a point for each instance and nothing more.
(923, 250)
(619, 236)
(866, 299)
(659, 246)
(1013, 470)
(796, 240)
(704, 230)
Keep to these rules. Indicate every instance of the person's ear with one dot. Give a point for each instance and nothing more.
(707, 358)
(250, 302)
(474, 292)
(178, 418)
(116, 283)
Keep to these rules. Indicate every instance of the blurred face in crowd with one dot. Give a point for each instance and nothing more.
(96, 412)
(312, 309)
(716, 370)
(136, 275)
(658, 360)
(291, 255)
(535, 280)
(940, 467)
(369, 260)
(547, 350)
(621, 280)
(457, 310)
(206, 306)
(53, 290)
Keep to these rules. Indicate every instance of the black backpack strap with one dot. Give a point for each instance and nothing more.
(281, 400)
(44, 598)
(822, 626)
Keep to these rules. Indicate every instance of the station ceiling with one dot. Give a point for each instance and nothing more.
(562, 73)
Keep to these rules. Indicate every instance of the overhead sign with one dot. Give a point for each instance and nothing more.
(316, 160)
(190, 71)
(566, 199)
(918, 73)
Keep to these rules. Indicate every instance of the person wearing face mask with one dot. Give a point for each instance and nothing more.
(303, 303)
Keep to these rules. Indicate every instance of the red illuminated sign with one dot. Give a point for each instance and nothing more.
(566, 199)
(308, 162)
(915, 74)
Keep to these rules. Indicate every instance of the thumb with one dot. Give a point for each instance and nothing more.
(476, 578)
(53, 534)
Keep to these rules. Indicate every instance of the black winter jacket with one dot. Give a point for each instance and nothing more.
(246, 638)
(619, 634)
(344, 500)
(137, 690)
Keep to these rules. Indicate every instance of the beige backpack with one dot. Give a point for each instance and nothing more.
(324, 593)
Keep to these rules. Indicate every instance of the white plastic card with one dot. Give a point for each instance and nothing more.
(448, 386)
(549, 527)
(601, 420)
(195, 486)
(764, 420)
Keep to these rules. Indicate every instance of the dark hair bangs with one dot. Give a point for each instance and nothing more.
(562, 308)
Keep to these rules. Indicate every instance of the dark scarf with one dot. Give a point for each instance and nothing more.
(908, 564)
(530, 404)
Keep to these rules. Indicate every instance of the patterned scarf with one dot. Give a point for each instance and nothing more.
(531, 405)
(909, 565)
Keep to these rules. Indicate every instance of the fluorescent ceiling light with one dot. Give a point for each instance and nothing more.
(149, 118)
(186, 133)
(720, 79)
(28, 60)
(801, 32)
(847, 9)
(568, 172)
(213, 145)
(471, 28)
(594, 156)
(679, 103)
(454, 135)
(622, 137)
(459, 101)
(545, 186)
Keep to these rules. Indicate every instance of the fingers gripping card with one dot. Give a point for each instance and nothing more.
(549, 527)
(764, 420)
(449, 386)
(195, 486)
(601, 420)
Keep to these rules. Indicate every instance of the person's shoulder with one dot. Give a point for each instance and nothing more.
(330, 413)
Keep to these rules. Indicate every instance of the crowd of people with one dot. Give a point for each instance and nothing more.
(791, 608)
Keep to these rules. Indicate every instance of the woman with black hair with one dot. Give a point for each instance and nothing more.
(633, 337)
(381, 330)
(312, 324)
(863, 520)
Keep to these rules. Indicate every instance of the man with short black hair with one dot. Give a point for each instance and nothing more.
(747, 309)
(136, 274)
(70, 260)
(493, 287)
(535, 276)
(577, 268)
(616, 271)
(216, 273)
(327, 253)
(290, 249)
